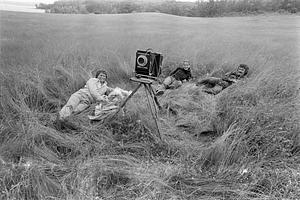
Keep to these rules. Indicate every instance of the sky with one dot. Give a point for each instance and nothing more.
(21, 2)
(22, 5)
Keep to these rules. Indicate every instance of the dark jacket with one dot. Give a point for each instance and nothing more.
(225, 81)
(181, 74)
(231, 77)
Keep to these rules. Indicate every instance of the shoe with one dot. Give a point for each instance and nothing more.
(65, 112)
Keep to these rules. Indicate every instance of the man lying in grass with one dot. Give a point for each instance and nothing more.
(95, 90)
(176, 78)
(213, 85)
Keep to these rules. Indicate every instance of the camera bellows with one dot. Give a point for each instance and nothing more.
(148, 64)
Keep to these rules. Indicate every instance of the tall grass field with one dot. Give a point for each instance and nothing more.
(241, 144)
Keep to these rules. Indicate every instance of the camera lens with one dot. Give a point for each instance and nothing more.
(142, 60)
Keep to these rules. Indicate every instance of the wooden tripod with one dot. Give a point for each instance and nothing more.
(152, 100)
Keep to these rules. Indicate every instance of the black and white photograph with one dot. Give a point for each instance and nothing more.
(150, 99)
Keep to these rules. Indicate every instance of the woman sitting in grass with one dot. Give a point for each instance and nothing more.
(213, 85)
(95, 90)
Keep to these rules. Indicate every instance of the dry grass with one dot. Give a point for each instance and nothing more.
(241, 144)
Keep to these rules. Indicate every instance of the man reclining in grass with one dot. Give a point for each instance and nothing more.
(95, 90)
(213, 85)
(176, 78)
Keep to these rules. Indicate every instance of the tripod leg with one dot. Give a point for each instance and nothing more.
(148, 86)
(155, 98)
(152, 113)
(148, 99)
(124, 102)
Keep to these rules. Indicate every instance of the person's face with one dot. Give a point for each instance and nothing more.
(102, 77)
(186, 65)
(241, 71)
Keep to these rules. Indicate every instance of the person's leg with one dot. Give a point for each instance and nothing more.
(214, 90)
(217, 89)
(71, 105)
(81, 107)
(210, 82)
(176, 84)
(83, 104)
(166, 85)
(168, 81)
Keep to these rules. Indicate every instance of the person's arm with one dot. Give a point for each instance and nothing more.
(92, 87)
(228, 73)
(210, 81)
(189, 75)
(230, 77)
(109, 90)
(172, 73)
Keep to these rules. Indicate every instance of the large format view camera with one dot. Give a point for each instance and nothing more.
(148, 64)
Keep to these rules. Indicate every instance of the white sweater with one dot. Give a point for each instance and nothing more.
(94, 90)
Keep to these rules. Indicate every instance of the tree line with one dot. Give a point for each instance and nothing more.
(211, 8)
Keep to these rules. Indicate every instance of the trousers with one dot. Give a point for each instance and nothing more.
(170, 83)
(76, 103)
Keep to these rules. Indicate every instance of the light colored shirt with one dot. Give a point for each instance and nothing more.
(94, 90)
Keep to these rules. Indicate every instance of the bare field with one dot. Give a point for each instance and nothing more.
(253, 153)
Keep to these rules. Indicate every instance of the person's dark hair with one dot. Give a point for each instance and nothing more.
(100, 71)
(245, 67)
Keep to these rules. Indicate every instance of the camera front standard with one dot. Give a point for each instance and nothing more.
(148, 64)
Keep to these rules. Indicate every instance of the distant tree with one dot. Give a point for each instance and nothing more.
(127, 7)
(289, 5)
(200, 8)
(173, 7)
(43, 6)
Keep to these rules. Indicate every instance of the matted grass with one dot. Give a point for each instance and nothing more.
(250, 149)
